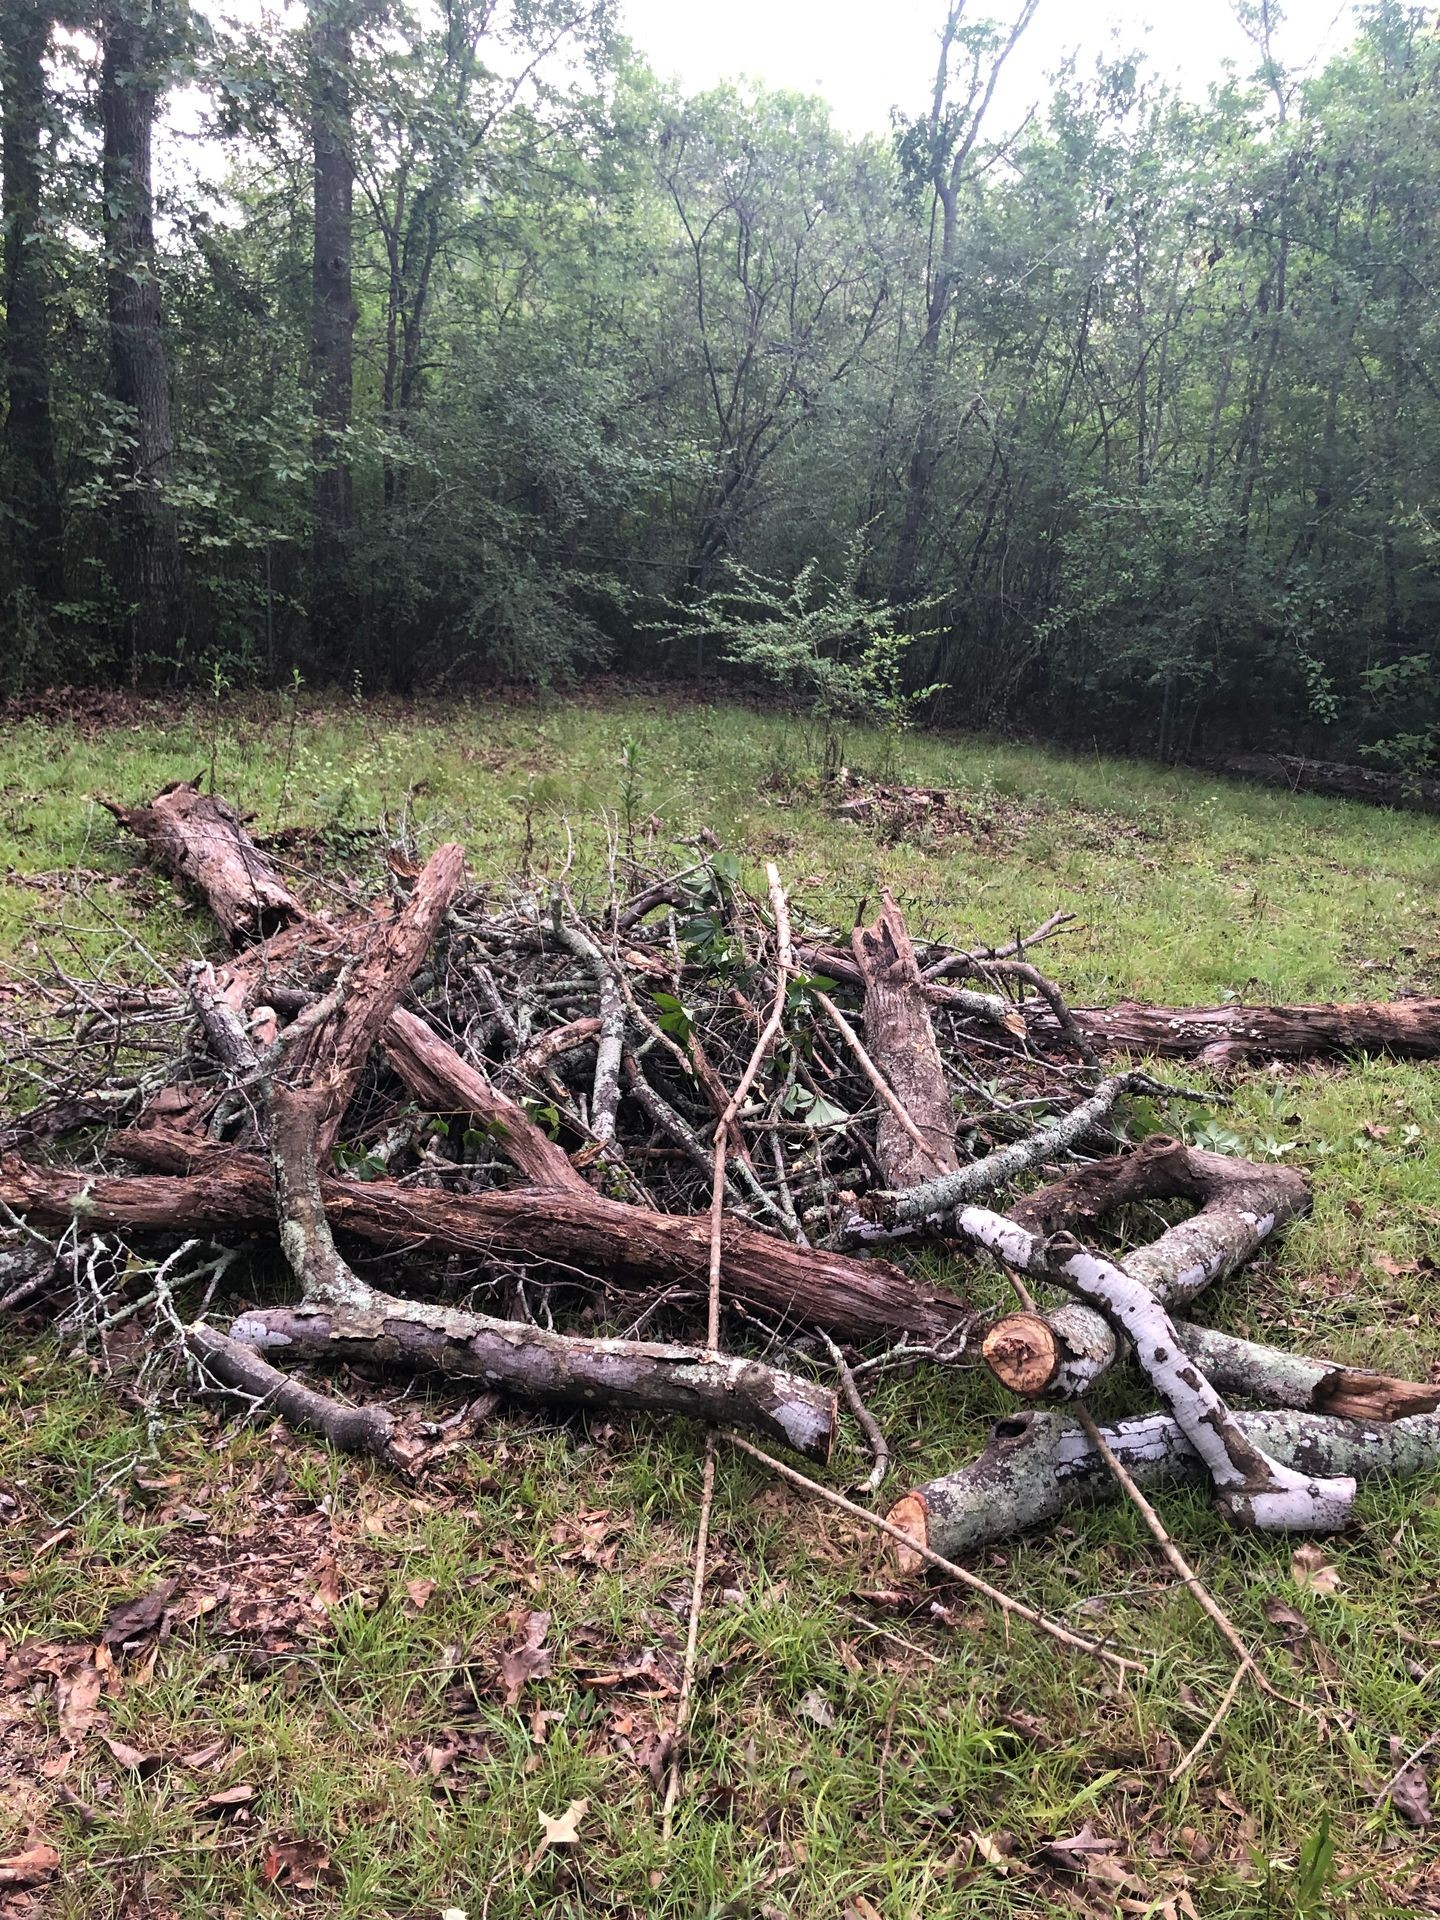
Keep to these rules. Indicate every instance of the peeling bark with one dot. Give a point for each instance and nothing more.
(901, 1041)
(1064, 1353)
(1250, 1487)
(1037, 1467)
(200, 841)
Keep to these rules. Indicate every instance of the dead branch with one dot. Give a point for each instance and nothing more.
(1250, 1487)
(1037, 1467)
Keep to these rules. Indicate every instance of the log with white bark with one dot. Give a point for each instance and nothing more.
(1250, 1487)
(1064, 1353)
(1037, 1467)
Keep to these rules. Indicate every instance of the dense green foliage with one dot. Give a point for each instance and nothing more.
(1132, 414)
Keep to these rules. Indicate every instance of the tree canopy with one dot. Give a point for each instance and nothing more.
(491, 357)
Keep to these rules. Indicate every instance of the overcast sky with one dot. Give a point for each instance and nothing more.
(865, 56)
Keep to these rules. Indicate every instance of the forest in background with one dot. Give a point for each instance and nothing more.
(494, 359)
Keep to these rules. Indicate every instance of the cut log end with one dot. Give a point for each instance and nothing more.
(1023, 1354)
(911, 1516)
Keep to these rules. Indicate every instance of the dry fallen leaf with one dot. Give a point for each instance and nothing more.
(559, 1830)
(28, 1867)
(133, 1619)
(229, 1797)
(301, 1865)
(327, 1587)
(997, 1850)
(133, 1759)
(1312, 1571)
(418, 1592)
(528, 1659)
(78, 1695)
(1409, 1790)
(816, 1707)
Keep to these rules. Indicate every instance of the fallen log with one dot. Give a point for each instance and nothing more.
(1230, 1035)
(1064, 1353)
(1250, 1487)
(443, 1083)
(238, 1367)
(1338, 780)
(200, 841)
(376, 1329)
(900, 1039)
(584, 1236)
(1036, 1467)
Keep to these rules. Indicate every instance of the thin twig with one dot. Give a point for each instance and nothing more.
(868, 1424)
(965, 1578)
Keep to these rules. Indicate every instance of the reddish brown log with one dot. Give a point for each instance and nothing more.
(444, 1083)
(327, 1059)
(200, 841)
(901, 1041)
(1226, 1036)
(578, 1234)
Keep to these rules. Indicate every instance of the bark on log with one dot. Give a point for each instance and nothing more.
(1250, 1487)
(1064, 1353)
(241, 1368)
(534, 1364)
(200, 841)
(327, 1057)
(443, 1083)
(576, 1234)
(1341, 781)
(1227, 1036)
(901, 1040)
(1295, 1380)
(1038, 1466)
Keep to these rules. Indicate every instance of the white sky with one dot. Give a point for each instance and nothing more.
(865, 56)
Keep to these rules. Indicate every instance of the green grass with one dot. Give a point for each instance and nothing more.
(1187, 889)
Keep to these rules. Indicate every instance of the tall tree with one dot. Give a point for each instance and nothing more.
(332, 320)
(32, 501)
(938, 150)
(138, 37)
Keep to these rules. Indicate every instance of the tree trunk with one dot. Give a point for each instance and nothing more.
(574, 1237)
(32, 495)
(1036, 1467)
(332, 327)
(901, 1041)
(150, 565)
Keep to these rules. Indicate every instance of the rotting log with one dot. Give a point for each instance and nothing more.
(1250, 1487)
(1036, 1467)
(900, 1039)
(443, 1083)
(200, 841)
(1065, 1352)
(1339, 780)
(581, 1236)
(1230, 1035)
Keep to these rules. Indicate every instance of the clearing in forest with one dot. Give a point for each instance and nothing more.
(506, 1097)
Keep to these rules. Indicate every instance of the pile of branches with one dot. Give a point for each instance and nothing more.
(472, 1121)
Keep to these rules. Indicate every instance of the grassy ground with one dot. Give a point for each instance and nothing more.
(329, 1666)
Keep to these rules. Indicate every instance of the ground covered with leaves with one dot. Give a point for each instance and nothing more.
(244, 1677)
